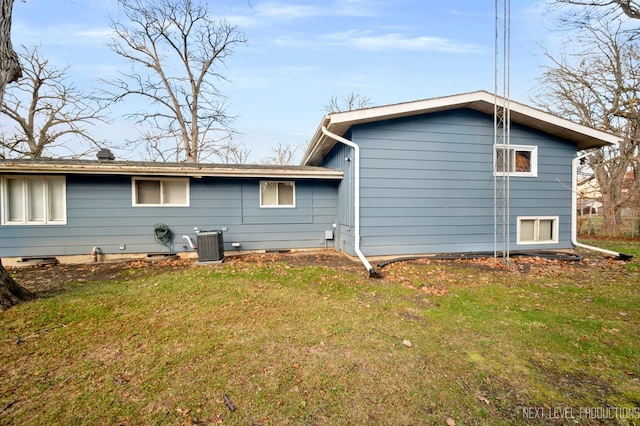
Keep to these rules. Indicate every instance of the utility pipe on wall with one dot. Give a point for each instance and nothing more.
(186, 237)
(574, 214)
(356, 178)
(95, 252)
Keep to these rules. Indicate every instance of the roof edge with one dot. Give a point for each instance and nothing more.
(150, 169)
(483, 101)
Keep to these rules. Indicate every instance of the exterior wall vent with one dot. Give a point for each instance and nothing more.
(210, 246)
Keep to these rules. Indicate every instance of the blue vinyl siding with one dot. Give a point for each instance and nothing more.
(100, 214)
(341, 158)
(427, 184)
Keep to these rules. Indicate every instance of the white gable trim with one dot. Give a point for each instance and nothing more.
(339, 123)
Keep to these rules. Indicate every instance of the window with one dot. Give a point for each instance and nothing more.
(537, 230)
(160, 192)
(517, 160)
(34, 200)
(277, 194)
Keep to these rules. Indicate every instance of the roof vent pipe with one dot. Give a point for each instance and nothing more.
(356, 196)
(105, 155)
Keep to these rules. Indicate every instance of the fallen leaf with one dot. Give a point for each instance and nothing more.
(483, 399)
(407, 343)
(451, 422)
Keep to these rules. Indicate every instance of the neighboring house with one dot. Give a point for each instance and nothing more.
(589, 207)
(405, 179)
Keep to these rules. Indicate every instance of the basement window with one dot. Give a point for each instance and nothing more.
(34, 200)
(517, 160)
(538, 230)
(277, 194)
(160, 192)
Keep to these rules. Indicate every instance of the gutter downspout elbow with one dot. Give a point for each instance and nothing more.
(574, 212)
(372, 272)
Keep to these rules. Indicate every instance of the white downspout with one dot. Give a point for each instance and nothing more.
(574, 213)
(356, 166)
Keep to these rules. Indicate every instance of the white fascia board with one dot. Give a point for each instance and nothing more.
(405, 109)
(138, 170)
(311, 155)
(469, 100)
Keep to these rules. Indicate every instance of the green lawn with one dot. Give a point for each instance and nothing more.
(470, 342)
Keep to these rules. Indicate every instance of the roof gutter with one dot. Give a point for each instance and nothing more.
(140, 169)
(574, 213)
(356, 165)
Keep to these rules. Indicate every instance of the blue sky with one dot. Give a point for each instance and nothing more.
(299, 53)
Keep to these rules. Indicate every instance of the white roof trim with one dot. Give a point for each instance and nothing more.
(149, 169)
(339, 123)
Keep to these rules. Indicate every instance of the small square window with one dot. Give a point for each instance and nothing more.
(537, 230)
(277, 194)
(516, 160)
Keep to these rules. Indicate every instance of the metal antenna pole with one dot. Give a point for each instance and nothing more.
(503, 160)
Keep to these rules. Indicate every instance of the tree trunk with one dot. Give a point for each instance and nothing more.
(11, 293)
(10, 69)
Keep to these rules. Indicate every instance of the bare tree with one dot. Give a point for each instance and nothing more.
(282, 154)
(349, 102)
(232, 153)
(596, 9)
(48, 111)
(175, 50)
(11, 293)
(600, 87)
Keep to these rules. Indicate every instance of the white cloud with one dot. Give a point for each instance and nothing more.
(296, 71)
(290, 11)
(369, 40)
(393, 41)
(243, 21)
(356, 7)
(287, 11)
(61, 35)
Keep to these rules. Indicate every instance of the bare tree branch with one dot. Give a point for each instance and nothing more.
(349, 102)
(175, 49)
(232, 153)
(283, 154)
(612, 8)
(47, 111)
(599, 87)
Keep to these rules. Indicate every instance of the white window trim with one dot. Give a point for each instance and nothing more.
(277, 206)
(534, 160)
(46, 221)
(556, 221)
(134, 195)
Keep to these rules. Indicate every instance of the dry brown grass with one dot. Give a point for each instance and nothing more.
(291, 343)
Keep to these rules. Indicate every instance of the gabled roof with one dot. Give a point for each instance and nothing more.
(140, 168)
(339, 123)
